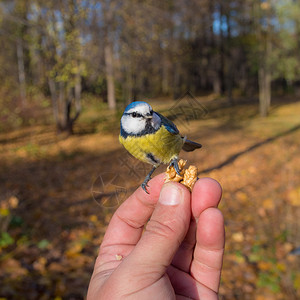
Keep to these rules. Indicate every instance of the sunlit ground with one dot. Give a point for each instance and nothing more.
(52, 220)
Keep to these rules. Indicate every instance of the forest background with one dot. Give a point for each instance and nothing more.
(68, 69)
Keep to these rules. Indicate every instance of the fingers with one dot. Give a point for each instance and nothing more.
(168, 229)
(210, 236)
(185, 285)
(162, 237)
(207, 263)
(183, 257)
(206, 193)
(126, 225)
(201, 252)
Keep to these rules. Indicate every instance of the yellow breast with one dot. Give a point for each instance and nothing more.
(156, 148)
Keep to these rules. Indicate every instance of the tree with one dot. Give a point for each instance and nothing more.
(264, 32)
(14, 30)
(21, 10)
(286, 52)
(135, 49)
(109, 9)
(60, 47)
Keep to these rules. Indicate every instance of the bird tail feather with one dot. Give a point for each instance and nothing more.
(189, 146)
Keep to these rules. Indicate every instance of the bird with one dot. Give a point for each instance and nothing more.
(152, 138)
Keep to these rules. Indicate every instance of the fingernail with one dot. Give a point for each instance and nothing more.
(169, 195)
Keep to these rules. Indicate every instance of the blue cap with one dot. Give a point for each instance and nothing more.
(134, 104)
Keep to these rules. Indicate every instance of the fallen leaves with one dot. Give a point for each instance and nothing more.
(12, 268)
(238, 237)
(54, 227)
(268, 204)
(294, 197)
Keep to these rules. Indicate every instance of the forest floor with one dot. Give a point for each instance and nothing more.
(53, 212)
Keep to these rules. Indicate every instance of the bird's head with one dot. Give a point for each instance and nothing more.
(139, 118)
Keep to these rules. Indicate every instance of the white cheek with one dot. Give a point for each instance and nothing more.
(155, 122)
(133, 125)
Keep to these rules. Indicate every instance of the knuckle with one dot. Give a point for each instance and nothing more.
(160, 228)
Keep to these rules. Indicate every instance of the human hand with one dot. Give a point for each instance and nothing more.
(178, 256)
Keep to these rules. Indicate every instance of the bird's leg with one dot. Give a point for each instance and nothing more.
(174, 163)
(148, 177)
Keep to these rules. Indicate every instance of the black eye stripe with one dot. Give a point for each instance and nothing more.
(136, 115)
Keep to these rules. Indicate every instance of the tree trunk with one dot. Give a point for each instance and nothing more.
(264, 81)
(264, 72)
(68, 125)
(216, 83)
(129, 84)
(221, 71)
(176, 80)
(77, 96)
(165, 75)
(63, 108)
(229, 62)
(53, 93)
(77, 91)
(21, 72)
(108, 56)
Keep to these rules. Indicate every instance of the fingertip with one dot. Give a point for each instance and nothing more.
(207, 192)
(209, 185)
(154, 187)
(172, 193)
(157, 181)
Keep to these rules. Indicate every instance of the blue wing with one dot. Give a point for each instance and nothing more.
(170, 126)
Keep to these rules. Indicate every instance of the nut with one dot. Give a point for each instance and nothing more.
(187, 177)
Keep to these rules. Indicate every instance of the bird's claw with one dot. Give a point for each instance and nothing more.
(145, 183)
(147, 179)
(174, 163)
(144, 187)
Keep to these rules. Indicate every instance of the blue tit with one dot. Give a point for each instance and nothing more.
(152, 138)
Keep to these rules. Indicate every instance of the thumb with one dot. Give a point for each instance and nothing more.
(164, 232)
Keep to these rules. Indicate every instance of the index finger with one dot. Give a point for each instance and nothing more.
(127, 223)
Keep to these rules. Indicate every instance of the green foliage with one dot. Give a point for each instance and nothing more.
(162, 50)
(43, 244)
(5, 240)
(16, 221)
(286, 52)
(270, 280)
(31, 149)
